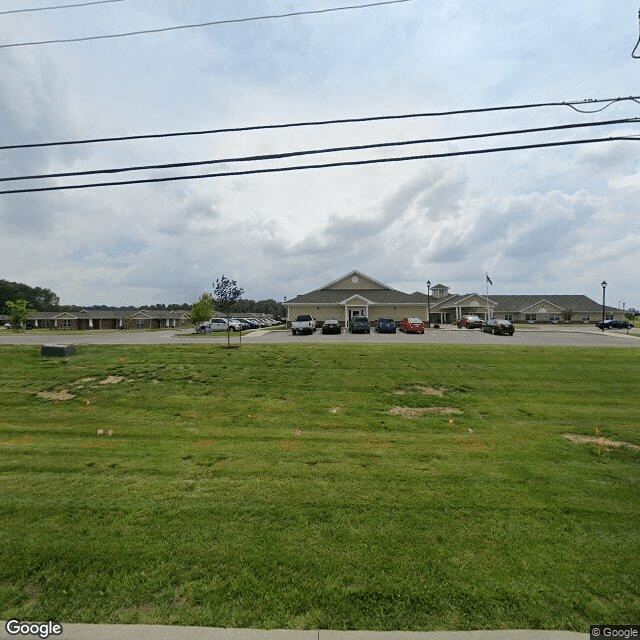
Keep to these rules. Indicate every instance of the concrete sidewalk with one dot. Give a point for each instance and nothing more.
(160, 632)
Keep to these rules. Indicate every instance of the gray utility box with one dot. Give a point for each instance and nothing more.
(58, 350)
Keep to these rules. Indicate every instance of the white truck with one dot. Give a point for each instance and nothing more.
(303, 324)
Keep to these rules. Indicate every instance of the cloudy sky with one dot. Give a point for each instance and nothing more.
(554, 220)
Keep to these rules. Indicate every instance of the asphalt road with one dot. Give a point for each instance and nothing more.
(572, 336)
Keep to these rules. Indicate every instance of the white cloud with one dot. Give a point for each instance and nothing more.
(550, 221)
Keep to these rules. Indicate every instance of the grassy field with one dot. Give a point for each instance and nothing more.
(341, 487)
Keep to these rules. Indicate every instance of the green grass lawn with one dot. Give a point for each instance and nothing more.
(269, 486)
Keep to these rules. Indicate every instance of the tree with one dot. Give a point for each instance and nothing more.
(225, 295)
(38, 298)
(19, 310)
(202, 310)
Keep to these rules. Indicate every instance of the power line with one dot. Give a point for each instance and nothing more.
(292, 154)
(203, 24)
(326, 166)
(316, 123)
(58, 6)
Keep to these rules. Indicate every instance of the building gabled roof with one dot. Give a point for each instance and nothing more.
(101, 314)
(544, 303)
(460, 300)
(356, 274)
(375, 296)
(573, 303)
(379, 293)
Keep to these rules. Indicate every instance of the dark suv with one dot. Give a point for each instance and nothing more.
(359, 324)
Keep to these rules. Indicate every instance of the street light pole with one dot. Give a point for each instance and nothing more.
(603, 284)
(429, 304)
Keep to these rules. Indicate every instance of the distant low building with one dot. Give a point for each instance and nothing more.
(115, 319)
(358, 294)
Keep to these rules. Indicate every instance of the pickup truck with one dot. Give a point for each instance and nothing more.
(303, 324)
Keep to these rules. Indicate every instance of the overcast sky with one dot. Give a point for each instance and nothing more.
(556, 220)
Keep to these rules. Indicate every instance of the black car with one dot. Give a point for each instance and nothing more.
(359, 324)
(331, 326)
(386, 325)
(615, 324)
(495, 326)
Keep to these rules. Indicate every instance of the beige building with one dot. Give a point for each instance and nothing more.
(359, 294)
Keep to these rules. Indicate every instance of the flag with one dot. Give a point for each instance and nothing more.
(489, 279)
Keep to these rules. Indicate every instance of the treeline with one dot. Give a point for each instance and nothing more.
(270, 307)
(46, 300)
(38, 298)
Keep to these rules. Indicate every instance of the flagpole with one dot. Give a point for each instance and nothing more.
(486, 284)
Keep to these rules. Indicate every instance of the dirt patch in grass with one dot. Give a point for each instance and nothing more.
(111, 380)
(204, 444)
(428, 391)
(431, 391)
(377, 444)
(416, 412)
(20, 440)
(334, 409)
(63, 394)
(601, 441)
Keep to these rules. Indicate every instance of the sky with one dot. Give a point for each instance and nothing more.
(538, 221)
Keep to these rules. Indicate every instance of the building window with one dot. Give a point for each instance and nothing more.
(530, 317)
(554, 318)
(586, 318)
(66, 324)
(140, 324)
(508, 316)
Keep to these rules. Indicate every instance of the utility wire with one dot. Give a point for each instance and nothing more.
(175, 134)
(633, 53)
(327, 165)
(292, 154)
(58, 6)
(203, 24)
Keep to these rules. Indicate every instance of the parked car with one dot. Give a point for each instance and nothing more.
(303, 324)
(240, 324)
(470, 322)
(615, 324)
(331, 326)
(204, 327)
(386, 325)
(412, 325)
(221, 324)
(359, 324)
(495, 326)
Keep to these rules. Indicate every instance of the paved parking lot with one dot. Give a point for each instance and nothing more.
(582, 337)
(573, 336)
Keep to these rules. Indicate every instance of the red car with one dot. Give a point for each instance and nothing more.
(412, 325)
